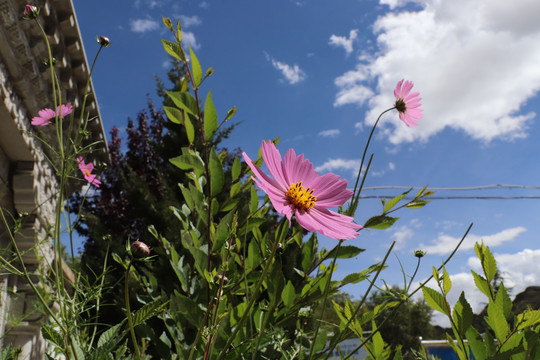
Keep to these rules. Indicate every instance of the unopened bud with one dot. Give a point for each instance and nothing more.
(419, 254)
(103, 41)
(31, 12)
(140, 249)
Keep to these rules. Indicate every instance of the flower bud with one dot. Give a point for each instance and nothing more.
(419, 254)
(31, 12)
(103, 41)
(140, 249)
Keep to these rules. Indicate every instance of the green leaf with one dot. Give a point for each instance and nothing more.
(173, 49)
(254, 202)
(463, 315)
(345, 252)
(288, 295)
(481, 284)
(353, 278)
(447, 283)
(497, 322)
(195, 68)
(236, 168)
(489, 264)
(210, 117)
(176, 116)
(527, 318)
(52, 335)
(223, 231)
(417, 204)
(254, 257)
(392, 202)
(321, 340)
(435, 300)
(184, 101)
(149, 310)
(503, 301)
(109, 334)
(217, 176)
(380, 222)
(421, 192)
(478, 347)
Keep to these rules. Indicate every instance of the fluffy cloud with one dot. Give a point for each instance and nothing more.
(330, 133)
(189, 38)
(344, 42)
(445, 244)
(401, 235)
(292, 74)
(339, 164)
(143, 25)
(475, 67)
(187, 21)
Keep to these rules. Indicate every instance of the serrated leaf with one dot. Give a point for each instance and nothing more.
(188, 162)
(320, 341)
(217, 176)
(288, 295)
(503, 301)
(173, 49)
(393, 202)
(52, 335)
(481, 284)
(195, 68)
(527, 318)
(497, 322)
(109, 334)
(446, 281)
(463, 315)
(489, 264)
(435, 300)
(210, 117)
(478, 347)
(380, 222)
(353, 278)
(147, 311)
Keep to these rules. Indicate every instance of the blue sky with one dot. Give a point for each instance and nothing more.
(318, 73)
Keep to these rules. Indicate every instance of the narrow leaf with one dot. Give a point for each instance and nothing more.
(195, 68)
(288, 294)
(210, 117)
(380, 222)
(236, 168)
(217, 176)
(392, 202)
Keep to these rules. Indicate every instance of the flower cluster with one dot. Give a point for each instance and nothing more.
(87, 169)
(45, 115)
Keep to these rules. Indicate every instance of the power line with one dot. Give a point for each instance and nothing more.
(466, 188)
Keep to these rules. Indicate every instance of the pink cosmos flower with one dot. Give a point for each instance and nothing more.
(45, 115)
(297, 189)
(407, 104)
(86, 169)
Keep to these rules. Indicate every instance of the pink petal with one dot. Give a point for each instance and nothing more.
(272, 160)
(330, 191)
(397, 91)
(328, 223)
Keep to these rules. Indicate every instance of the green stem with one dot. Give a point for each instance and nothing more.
(128, 312)
(326, 288)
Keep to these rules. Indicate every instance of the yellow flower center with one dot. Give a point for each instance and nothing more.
(87, 172)
(300, 197)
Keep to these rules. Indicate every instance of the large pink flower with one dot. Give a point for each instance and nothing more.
(297, 189)
(408, 104)
(45, 115)
(87, 169)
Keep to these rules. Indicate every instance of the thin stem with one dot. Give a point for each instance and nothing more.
(326, 288)
(128, 312)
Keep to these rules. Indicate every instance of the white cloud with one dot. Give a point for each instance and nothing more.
(187, 21)
(292, 74)
(391, 167)
(401, 235)
(189, 38)
(445, 244)
(143, 25)
(474, 65)
(344, 42)
(330, 133)
(339, 164)
(150, 3)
